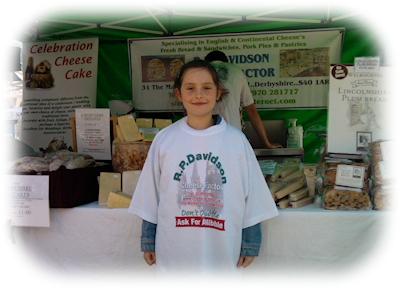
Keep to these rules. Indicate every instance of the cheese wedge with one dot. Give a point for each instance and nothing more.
(298, 174)
(284, 203)
(109, 181)
(292, 187)
(162, 123)
(144, 123)
(275, 186)
(302, 202)
(289, 169)
(130, 180)
(118, 200)
(120, 136)
(129, 128)
(278, 170)
(298, 194)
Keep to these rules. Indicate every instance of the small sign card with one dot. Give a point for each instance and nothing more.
(366, 64)
(93, 133)
(28, 200)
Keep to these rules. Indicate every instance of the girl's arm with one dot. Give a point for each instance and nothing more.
(148, 242)
(251, 243)
(148, 239)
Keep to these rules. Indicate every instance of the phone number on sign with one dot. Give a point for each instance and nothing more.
(278, 92)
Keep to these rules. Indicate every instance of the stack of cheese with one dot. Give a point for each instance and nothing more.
(288, 185)
(141, 129)
(130, 148)
(116, 189)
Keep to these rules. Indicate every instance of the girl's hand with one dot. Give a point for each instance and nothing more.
(245, 261)
(150, 258)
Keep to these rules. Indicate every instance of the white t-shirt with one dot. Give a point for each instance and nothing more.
(201, 188)
(239, 95)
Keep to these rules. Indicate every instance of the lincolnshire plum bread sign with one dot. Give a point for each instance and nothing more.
(359, 109)
(59, 76)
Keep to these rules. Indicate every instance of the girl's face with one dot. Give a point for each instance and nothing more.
(198, 94)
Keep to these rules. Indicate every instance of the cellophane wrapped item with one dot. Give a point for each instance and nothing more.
(382, 173)
(382, 198)
(333, 174)
(342, 198)
(345, 185)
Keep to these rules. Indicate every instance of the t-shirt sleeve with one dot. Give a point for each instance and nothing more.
(246, 97)
(260, 205)
(145, 199)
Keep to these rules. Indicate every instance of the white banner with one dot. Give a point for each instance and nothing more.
(285, 70)
(359, 106)
(59, 76)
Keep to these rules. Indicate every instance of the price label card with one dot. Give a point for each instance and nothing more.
(28, 200)
(93, 132)
(349, 175)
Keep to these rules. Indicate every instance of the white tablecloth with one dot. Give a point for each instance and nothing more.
(307, 243)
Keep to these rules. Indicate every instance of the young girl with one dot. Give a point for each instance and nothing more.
(201, 192)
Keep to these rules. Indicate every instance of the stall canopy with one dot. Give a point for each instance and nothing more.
(142, 21)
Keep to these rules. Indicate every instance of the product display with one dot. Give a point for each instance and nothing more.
(53, 161)
(382, 198)
(341, 198)
(130, 180)
(284, 203)
(162, 123)
(298, 194)
(310, 172)
(288, 184)
(109, 182)
(346, 173)
(129, 156)
(303, 202)
(119, 199)
(289, 188)
(41, 77)
(129, 129)
(297, 175)
(382, 173)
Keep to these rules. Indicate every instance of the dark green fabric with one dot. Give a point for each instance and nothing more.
(113, 81)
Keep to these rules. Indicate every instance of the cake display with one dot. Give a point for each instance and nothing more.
(41, 76)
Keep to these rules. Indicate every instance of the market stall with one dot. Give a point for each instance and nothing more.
(333, 203)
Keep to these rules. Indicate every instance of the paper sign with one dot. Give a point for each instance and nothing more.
(93, 133)
(366, 64)
(28, 200)
(349, 175)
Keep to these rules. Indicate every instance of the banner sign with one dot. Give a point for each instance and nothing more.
(28, 200)
(359, 106)
(93, 133)
(59, 76)
(285, 70)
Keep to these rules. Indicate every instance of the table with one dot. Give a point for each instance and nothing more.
(92, 240)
